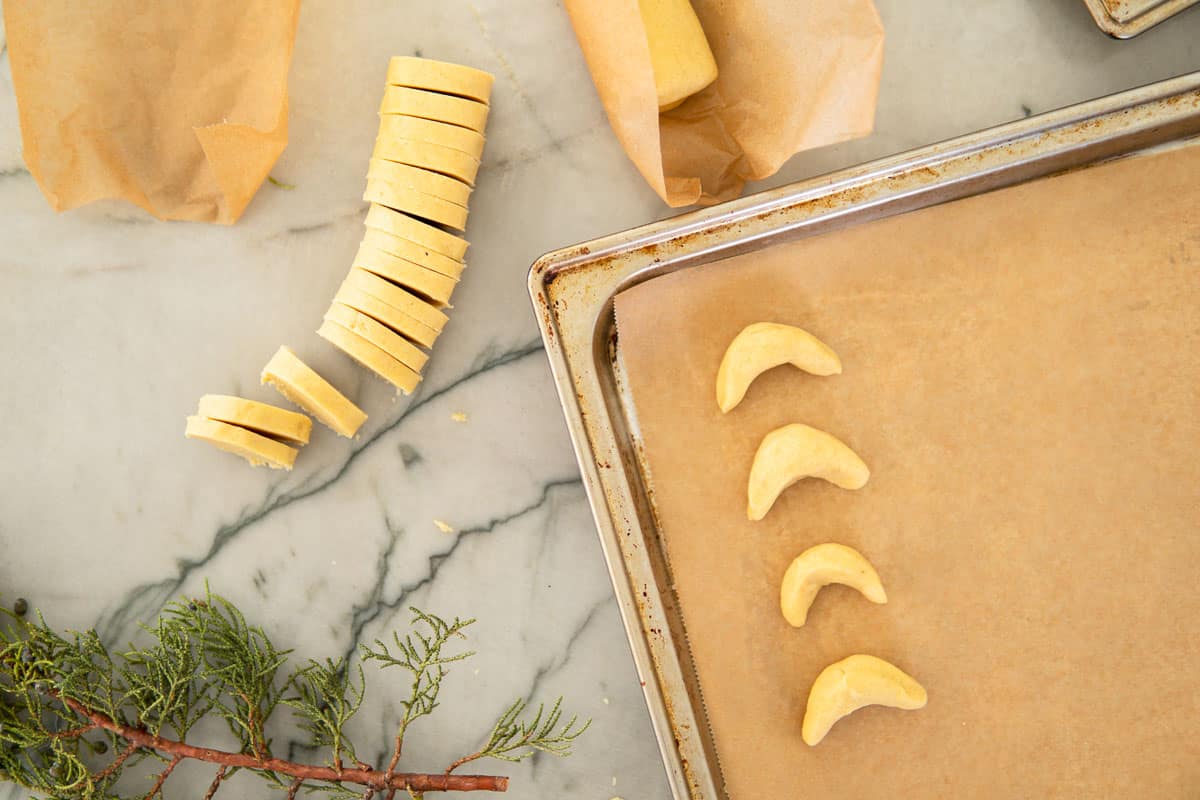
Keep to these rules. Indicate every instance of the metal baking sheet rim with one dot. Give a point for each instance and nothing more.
(1114, 18)
(573, 289)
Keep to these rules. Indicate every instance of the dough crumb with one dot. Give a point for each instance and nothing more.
(443, 526)
(459, 416)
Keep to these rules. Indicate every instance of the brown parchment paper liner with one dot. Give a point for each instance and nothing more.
(1021, 373)
(180, 108)
(793, 76)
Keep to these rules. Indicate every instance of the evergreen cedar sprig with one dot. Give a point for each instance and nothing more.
(74, 716)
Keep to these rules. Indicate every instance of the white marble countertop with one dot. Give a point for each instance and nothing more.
(112, 325)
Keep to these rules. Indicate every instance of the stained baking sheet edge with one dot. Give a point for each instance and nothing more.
(1124, 19)
(573, 289)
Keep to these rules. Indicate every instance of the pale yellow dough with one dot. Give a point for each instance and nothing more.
(385, 313)
(682, 60)
(269, 420)
(427, 155)
(433, 105)
(411, 251)
(423, 180)
(257, 449)
(370, 356)
(300, 384)
(852, 683)
(378, 334)
(409, 200)
(396, 223)
(394, 126)
(764, 345)
(423, 281)
(820, 566)
(796, 451)
(440, 76)
(420, 310)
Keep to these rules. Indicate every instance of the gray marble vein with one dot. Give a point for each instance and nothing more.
(113, 324)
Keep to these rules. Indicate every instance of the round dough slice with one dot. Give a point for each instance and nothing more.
(428, 155)
(269, 420)
(411, 251)
(423, 180)
(378, 334)
(404, 198)
(300, 384)
(255, 448)
(394, 222)
(440, 76)
(388, 315)
(432, 105)
(421, 280)
(370, 356)
(393, 126)
(420, 310)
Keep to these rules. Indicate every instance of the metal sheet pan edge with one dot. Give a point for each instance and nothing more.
(572, 291)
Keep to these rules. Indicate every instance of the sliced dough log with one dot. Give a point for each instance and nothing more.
(394, 126)
(411, 251)
(423, 180)
(370, 356)
(428, 206)
(420, 310)
(259, 450)
(419, 279)
(387, 314)
(378, 334)
(300, 384)
(436, 157)
(269, 420)
(404, 226)
(433, 105)
(440, 76)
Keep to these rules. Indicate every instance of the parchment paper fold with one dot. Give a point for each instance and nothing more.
(793, 76)
(180, 108)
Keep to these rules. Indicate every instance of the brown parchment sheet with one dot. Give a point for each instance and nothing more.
(1022, 376)
(792, 76)
(180, 108)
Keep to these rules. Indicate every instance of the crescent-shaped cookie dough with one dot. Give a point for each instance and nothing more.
(411, 201)
(259, 450)
(433, 105)
(440, 76)
(820, 566)
(762, 346)
(370, 356)
(794, 452)
(394, 126)
(852, 683)
(423, 281)
(399, 224)
(269, 420)
(301, 384)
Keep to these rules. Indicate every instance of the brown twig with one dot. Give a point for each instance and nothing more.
(162, 777)
(464, 760)
(216, 784)
(375, 779)
(121, 758)
(74, 733)
(294, 788)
